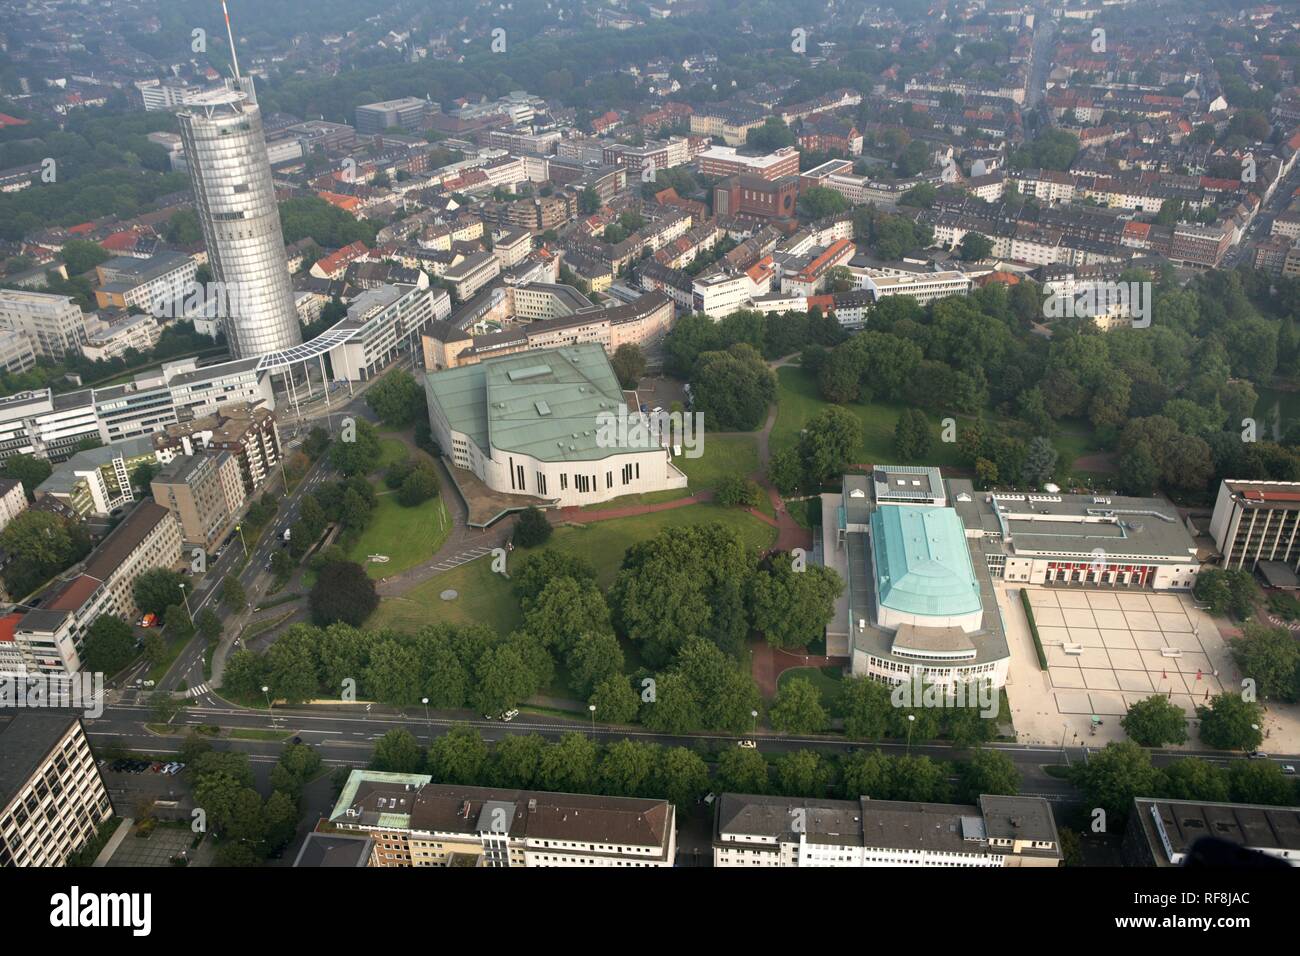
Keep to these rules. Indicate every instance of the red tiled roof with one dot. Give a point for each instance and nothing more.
(7, 627)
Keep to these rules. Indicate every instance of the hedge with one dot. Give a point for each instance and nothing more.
(1033, 629)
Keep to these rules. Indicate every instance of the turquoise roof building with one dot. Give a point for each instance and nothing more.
(922, 569)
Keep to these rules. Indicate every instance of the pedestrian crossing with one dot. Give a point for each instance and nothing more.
(199, 690)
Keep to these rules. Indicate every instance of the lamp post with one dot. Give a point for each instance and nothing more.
(186, 599)
(428, 724)
(911, 719)
(754, 714)
(592, 709)
(266, 692)
(1065, 729)
(244, 544)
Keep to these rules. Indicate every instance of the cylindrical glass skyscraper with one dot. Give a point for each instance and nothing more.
(235, 200)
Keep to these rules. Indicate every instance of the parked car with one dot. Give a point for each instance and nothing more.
(156, 767)
(1257, 755)
(747, 744)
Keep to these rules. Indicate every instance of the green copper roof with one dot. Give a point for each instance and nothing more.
(546, 403)
(921, 562)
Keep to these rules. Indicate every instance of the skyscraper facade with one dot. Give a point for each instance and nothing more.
(235, 199)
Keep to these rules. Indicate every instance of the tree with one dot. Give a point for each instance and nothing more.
(109, 645)
(829, 443)
(29, 470)
(459, 756)
(1040, 461)
(803, 773)
(615, 700)
(627, 768)
(629, 364)
(736, 491)
(1226, 591)
(157, 590)
(397, 752)
(986, 771)
(1231, 723)
(568, 766)
(503, 680)
(1113, 776)
(817, 202)
(733, 389)
(681, 776)
(798, 708)
(975, 247)
(865, 706)
(39, 544)
(232, 593)
(1271, 658)
(358, 455)
(564, 612)
(593, 658)
(342, 592)
(420, 485)
(770, 136)
(533, 574)
(397, 399)
(791, 608)
(1192, 778)
(532, 529)
(1260, 781)
(1155, 722)
(912, 438)
(742, 771)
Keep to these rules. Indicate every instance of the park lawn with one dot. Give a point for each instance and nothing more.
(483, 598)
(391, 451)
(487, 598)
(407, 535)
(649, 498)
(828, 680)
(723, 456)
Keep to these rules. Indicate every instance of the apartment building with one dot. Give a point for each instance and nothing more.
(205, 493)
(472, 273)
(53, 324)
(247, 432)
(723, 293)
(811, 277)
(1257, 523)
(16, 351)
(50, 637)
(770, 831)
(729, 122)
(511, 246)
(414, 822)
(13, 501)
(1198, 245)
(127, 282)
(52, 797)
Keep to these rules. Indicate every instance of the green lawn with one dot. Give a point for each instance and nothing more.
(799, 400)
(724, 455)
(391, 451)
(484, 598)
(828, 680)
(407, 535)
(487, 598)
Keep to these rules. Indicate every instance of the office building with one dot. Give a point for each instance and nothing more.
(152, 284)
(53, 324)
(1255, 523)
(248, 432)
(529, 424)
(405, 113)
(1165, 832)
(52, 797)
(412, 821)
(47, 425)
(16, 351)
(763, 831)
(235, 201)
(96, 481)
(723, 161)
(205, 492)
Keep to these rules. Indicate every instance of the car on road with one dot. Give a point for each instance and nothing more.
(510, 715)
(747, 744)
(1257, 755)
(1288, 769)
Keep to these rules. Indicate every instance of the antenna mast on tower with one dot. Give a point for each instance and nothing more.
(234, 57)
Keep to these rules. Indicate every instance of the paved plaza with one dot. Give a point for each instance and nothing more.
(1109, 649)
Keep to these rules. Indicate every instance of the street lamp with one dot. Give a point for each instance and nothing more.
(240, 528)
(186, 599)
(592, 709)
(266, 692)
(428, 723)
(754, 714)
(1065, 729)
(911, 719)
